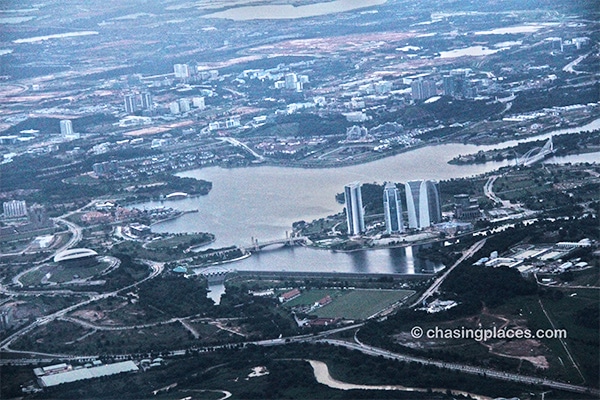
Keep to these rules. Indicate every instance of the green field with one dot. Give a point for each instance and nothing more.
(361, 303)
(309, 297)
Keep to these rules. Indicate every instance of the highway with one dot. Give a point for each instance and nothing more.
(505, 376)
(365, 349)
(438, 282)
(157, 269)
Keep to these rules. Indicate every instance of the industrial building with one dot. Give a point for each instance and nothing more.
(62, 373)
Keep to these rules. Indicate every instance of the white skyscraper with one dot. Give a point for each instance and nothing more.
(66, 127)
(392, 209)
(423, 203)
(355, 215)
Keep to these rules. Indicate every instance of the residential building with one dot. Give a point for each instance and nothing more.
(14, 208)
(147, 101)
(291, 81)
(184, 105)
(199, 102)
(182, 71)
(130, 104)
(355, 214)
(174, 107)
(423, 89)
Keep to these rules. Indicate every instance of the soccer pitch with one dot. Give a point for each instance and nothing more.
(361, 303)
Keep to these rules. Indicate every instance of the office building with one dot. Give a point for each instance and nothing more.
(130, 104)
(423, 89)
(466, 208)
(423, 203)
(14, 208)
(66, 127)
(392, 209)
(355, 214)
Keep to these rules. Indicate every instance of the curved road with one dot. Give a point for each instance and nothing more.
(505, 376)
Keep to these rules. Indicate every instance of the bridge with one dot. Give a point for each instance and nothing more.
(536, 154)
(215, 274)
(237, 143)
(288, 241)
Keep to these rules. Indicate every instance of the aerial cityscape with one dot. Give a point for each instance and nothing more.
(307, 199)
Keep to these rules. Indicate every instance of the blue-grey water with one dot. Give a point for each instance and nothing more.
(263, 202)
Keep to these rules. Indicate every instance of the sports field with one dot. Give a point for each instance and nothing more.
(361, 303)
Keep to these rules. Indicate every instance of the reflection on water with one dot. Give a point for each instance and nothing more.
(401, 260)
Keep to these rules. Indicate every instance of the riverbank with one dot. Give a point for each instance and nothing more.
(322, 375)
(176, 215)
(564, 145)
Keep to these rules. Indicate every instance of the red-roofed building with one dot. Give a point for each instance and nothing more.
(287, 296)
(325, 300)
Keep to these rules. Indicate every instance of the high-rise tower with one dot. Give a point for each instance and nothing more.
(355, 215)
(423, 203)
(392, 209)
(66, 127)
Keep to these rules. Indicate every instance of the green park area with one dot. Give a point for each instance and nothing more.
(181, 241)
(53, 273)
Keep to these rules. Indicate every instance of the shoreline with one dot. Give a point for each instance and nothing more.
(380, 156)
(172, 217)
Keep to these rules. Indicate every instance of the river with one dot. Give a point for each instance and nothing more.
(289, 11)
(262, 202)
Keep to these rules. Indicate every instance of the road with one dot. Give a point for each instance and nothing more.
(157, 269)
(505, 376)
(488, 191)
(562, 341)
(379, 352)
(570, 66)
(438, 282)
